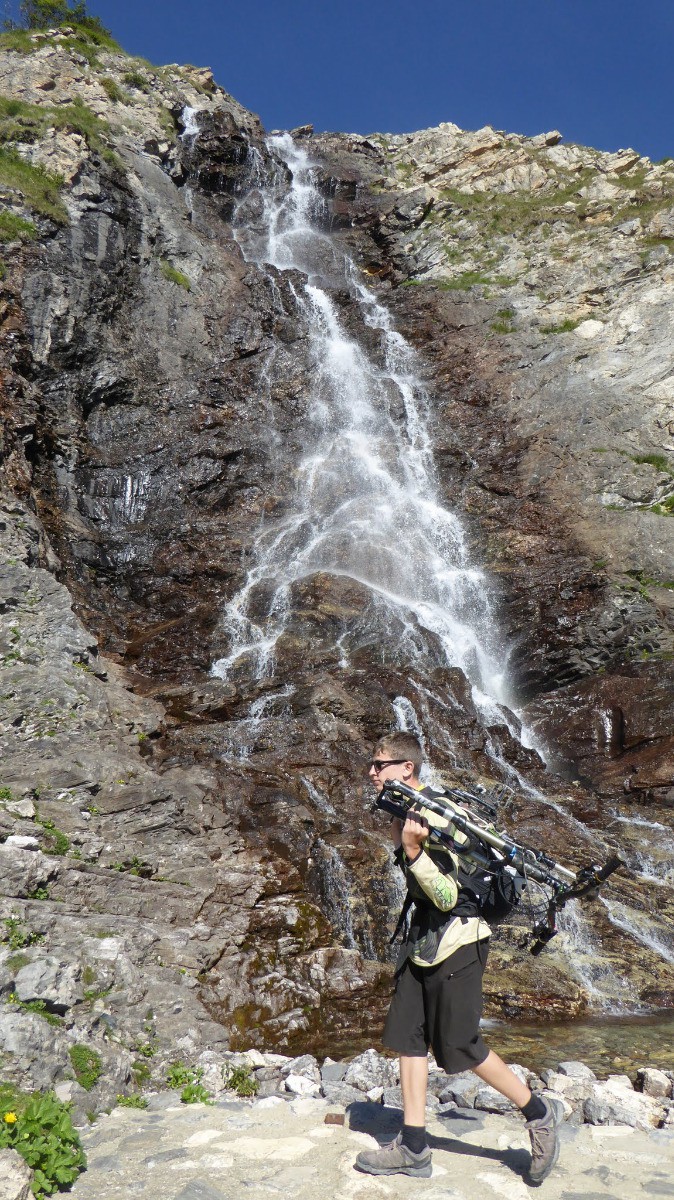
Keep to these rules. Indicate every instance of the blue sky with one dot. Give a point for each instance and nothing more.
(601, 71)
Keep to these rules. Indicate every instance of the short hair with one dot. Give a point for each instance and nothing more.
(402, 745)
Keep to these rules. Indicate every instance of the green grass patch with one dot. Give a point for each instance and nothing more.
(174, 275)
(40, 190)
(659, 461)
(113, 91)
(653, 240)
(27, 123)
(40, 1129)
(135, 80)
(510, 212)
(14, 228)
(504, 321)
(18, 40)
(463, 282)
(564, 327)
(663, 508)
(86, 1064)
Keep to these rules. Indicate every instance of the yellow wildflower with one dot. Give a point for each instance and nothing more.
(9, 1118)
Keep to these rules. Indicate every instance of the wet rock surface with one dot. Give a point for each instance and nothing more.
(206, 864)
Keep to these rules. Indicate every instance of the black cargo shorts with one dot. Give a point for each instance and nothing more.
(440, 1007)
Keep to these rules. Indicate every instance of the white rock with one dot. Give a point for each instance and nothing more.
(589, 329)
(51, 980)
(15, 1176)
(299, 1085)
(21, 808)
(22, 841)
(655, 1083)
(615, 1102)
(269, 1102)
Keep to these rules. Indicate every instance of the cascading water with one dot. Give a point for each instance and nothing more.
(364, 507)
(366, 503)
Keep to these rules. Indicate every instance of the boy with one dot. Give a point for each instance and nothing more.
(438, 995)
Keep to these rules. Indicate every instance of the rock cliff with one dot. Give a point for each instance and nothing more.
(189, 859)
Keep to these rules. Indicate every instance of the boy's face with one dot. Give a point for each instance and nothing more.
(384, 768)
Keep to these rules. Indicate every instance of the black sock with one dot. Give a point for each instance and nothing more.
(534, 1109)
(414, 1137)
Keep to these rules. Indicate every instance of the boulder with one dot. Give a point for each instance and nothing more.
(305, 1066)
(370, 1070)
(52, 980)
(614, 1102)
(654, 1083)
(15, 1176)
(301, 1085)
(572, 1068)
(341, 1093)
(462, 1089)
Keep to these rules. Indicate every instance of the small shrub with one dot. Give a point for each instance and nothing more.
(37, 1007)
(174, 275)
(6, 793)
(17, 936)
(195, 1093)
(141, 1072)
(87, 1065)
(179, 1076)
(240, 1080)
(135, 80)
(146, 1049)
(39, 893)
(40, 1129)
(134, 1101)
(61, 844)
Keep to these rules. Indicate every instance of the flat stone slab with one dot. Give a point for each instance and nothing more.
(278, 1148)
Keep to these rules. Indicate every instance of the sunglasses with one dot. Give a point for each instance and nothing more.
(380, 763)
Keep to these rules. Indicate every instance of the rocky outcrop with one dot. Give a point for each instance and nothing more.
(206, 864)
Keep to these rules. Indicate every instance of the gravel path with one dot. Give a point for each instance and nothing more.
(273, 1147)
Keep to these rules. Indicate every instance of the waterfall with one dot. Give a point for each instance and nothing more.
(606, 991)
(641, 927)
(190, 124)
(366, 504)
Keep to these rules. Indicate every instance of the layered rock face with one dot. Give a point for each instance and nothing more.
(201, 864)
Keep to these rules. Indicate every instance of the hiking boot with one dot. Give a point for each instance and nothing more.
(545, 1140)
(395, 1159)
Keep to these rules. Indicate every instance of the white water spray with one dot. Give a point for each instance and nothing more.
(366, 503)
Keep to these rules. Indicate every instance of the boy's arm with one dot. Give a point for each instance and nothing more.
(441, 889)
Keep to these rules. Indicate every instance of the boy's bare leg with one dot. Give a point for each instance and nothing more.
(496, 1073)
(414, 1082)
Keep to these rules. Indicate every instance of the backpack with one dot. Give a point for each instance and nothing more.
(496, 890)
